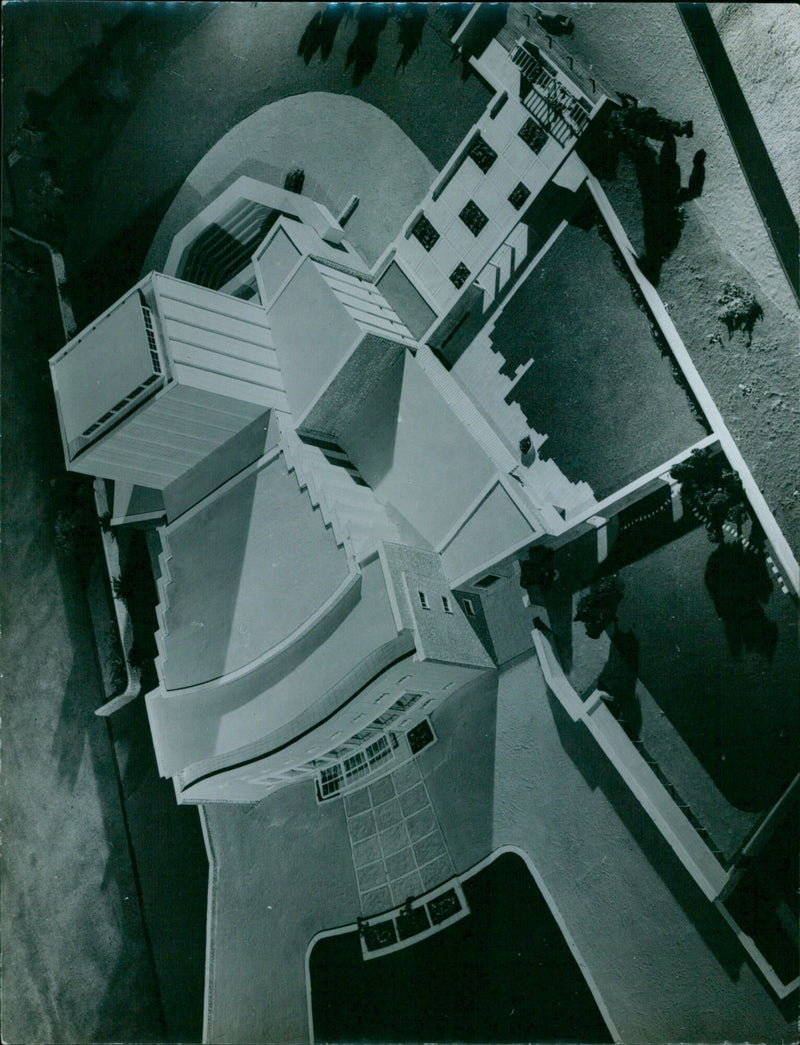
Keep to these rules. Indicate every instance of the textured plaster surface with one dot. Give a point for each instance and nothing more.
(664, 962)
(285, 873)
(644, 50)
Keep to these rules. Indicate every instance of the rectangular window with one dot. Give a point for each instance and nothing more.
(423, 600)
(519, 196)
(469, 607)
(378, 751)
(356, 766)
(482, 153)
(459, 275)
(446, 603)
(534, 135)
(151, 339)
(330, 780)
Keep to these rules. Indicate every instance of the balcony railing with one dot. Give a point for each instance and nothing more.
(561, 113)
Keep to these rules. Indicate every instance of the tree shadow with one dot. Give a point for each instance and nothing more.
(739, 584)
(411, 21)
(320, 33)
(371, 20)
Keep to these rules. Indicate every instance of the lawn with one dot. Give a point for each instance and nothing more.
(728, 686)
(504, 973)
(599, 386)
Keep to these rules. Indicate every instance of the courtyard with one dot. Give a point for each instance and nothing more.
(599, 386)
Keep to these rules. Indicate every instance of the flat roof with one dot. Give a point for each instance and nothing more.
(247, 568)
(102, 366)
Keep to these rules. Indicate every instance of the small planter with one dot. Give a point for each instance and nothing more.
(473, 217)
(534, 136)
(444, 907)
(378, 936)
(410, 923)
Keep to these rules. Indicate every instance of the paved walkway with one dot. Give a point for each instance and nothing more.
(345, 147)
(398, 848)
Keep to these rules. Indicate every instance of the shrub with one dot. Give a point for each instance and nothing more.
(539, 569)
(738, 309)
(712, 492)
(598, 608)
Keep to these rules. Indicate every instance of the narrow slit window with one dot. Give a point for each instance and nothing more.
(469, 607)
(446, 603)
(423, 600)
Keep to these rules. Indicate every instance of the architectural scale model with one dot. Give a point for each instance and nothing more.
(358, 535)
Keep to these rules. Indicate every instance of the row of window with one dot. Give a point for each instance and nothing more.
(333, 778)
(447, 605)
(118, 407)
(484, 156)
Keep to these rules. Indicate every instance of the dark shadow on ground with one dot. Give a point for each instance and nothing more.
(618, 679)
(320, 33)
(172, 867)
(739, 583)
(46, 584)
(371, 20)
(503, 973)
(411, 19)
(598, 772)
(115, 269)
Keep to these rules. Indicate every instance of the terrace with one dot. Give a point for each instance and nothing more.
(699, 664)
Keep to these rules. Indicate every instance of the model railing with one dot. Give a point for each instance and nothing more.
(561, 113)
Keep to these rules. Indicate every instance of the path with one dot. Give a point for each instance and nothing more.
(398, 848)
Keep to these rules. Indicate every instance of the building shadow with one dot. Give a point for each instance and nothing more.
(598, 772)
(559, 605)
(739, 583)
(618, 679)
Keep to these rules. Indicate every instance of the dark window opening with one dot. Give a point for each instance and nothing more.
(473, 217)
(425, 232)
(482, 153)
(459, 275)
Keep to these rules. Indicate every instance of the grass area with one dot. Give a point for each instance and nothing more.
(599, 386)
(727, 683)
(504, 973)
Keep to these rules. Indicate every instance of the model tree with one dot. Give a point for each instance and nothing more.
(539, 570)
(598, 608)
(712, 492)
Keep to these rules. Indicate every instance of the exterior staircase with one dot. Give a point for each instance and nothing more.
(358, 520)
